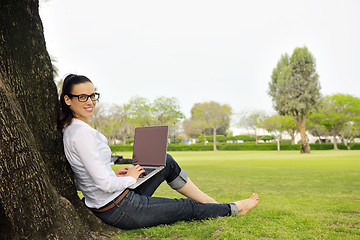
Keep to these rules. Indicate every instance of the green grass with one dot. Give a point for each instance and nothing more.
(302, 196)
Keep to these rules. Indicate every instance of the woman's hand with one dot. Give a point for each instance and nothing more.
(130, 171)
(121, 172)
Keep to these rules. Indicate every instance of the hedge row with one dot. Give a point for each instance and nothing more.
(245, 138)
(243, 147)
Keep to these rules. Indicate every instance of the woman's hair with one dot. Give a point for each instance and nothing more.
(65, 113)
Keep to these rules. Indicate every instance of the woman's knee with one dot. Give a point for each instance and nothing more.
(178, 177)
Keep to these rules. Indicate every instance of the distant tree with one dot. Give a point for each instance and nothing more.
(288, 124)
(125, 127)
(315, 128)
(162, 111)
(212, 114)
(253, 120)
(140, 112)
(194, 128)
(166, 111)
(339, 115)
(273, 124)
(58, 82)
(295, 89)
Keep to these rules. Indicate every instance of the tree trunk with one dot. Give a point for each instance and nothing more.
(300, 122)
(335, 142)
(214, 134)
(343, 139)
(292, 139)
(38, 199)
(278, 143)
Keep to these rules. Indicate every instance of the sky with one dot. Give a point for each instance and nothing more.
(199, 51)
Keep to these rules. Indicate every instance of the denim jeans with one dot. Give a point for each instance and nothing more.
(138, 209)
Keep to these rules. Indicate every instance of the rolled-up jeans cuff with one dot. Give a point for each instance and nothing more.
(234, 209)
(179, 181)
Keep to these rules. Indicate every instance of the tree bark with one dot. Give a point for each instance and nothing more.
(292, 139)
(38, 199)
(300, 122)
(335, 142)
(214, 138)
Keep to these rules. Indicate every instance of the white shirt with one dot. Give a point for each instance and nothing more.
(89, 155)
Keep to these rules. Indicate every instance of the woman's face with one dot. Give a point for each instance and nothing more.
(81, 110)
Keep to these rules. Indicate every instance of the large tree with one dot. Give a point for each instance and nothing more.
(38, 199)
(295, 89)
(213, 114)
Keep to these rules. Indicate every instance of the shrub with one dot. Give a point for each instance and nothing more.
(354, 146)
(130, 140)
(177, 140)
(242, 147)
(210, 138)
(121, 148)
(285, 141)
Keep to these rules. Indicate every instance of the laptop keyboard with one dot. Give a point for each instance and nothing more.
(147, 171)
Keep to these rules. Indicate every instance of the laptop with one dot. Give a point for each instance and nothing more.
(150, 144)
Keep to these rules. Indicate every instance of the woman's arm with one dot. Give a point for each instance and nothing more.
(86, 147)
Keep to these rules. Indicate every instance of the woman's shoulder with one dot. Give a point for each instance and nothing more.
(78, 127)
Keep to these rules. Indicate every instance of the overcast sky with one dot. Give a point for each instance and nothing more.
(199, 51)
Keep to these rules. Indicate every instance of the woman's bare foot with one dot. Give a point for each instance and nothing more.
(247, 204)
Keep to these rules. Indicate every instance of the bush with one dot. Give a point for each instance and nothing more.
(285, 141)
(130, 140)
(245, 138)
(326, 146)
(121, 148)
(243, 147)
(178, 140)
(266, 137)
(210, 138)
(191, 147)
(354, 146)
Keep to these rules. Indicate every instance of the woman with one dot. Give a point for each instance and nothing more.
(105, 191)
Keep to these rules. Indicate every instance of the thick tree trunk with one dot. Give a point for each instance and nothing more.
(300, 122)
(38, 199)
(214, 134)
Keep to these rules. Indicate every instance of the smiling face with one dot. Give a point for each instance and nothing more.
(81, 110)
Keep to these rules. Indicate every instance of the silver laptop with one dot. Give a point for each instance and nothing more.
(150, 146)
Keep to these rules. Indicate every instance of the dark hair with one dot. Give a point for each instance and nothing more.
(65, 113)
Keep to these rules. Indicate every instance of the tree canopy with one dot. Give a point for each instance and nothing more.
(295, 88)
(339, 115)
(213, 114)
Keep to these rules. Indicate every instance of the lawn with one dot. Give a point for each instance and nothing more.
(302, 196)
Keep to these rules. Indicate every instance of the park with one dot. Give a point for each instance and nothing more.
(302, 196)
(312, 196)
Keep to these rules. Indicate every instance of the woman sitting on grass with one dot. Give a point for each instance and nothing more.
(105, 191)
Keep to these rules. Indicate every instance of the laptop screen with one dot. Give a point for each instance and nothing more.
(150, 146)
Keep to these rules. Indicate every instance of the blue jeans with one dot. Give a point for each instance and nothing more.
(138, 209)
